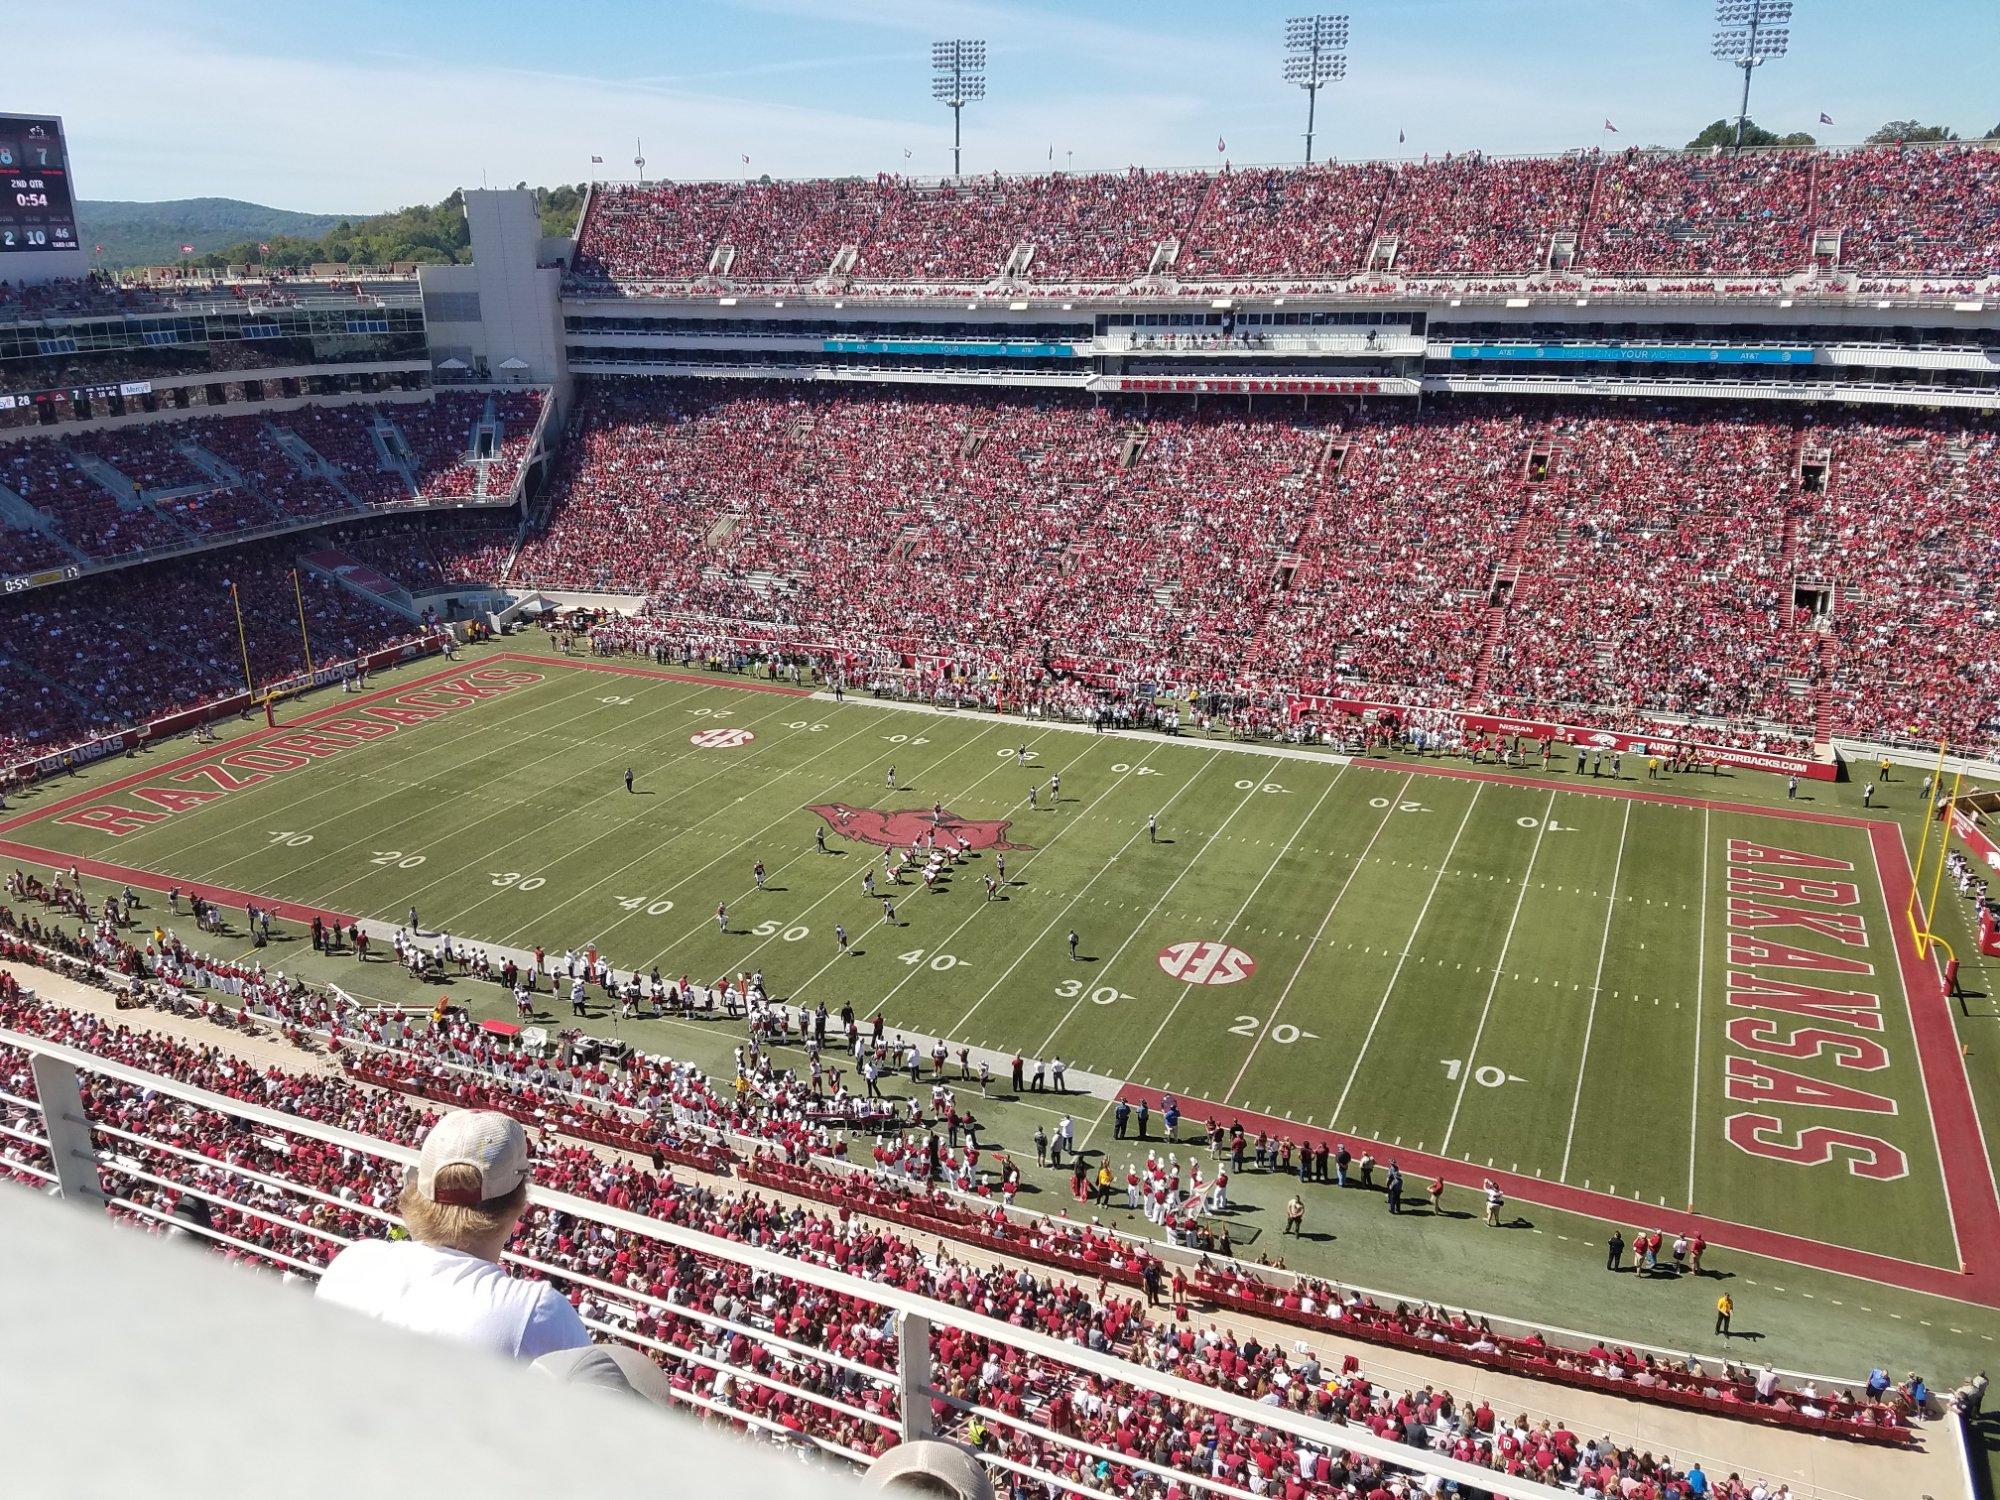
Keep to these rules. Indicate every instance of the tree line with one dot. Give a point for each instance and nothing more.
(1894, 133)
(426, 233)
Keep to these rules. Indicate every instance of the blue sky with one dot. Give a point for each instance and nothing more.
(366, 105)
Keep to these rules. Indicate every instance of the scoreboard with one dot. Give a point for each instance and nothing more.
(37, 213)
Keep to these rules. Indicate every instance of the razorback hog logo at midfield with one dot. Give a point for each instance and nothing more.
(908, 825)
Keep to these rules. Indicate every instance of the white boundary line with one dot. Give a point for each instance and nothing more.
(1306, 957)
(671, 839)
(1361, 1052)
(1700, 994)
(1596, 986)
(412, 747)
(1195, 740)
(842, 875)
(596, 764)
(1896, 940)
(1174, 1009)
(1499, 968)
(1140, 926)
(957, 1028)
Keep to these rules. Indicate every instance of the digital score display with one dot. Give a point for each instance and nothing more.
(36, 209)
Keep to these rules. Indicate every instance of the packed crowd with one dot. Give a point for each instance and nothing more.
(1903, 212)
(1673, 214)
(626, 1284)
(431, 552)
(127, 648)
(118, 491)
(1614, 563)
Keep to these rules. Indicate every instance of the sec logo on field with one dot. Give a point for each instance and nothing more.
(1205, 962)
(721, 739)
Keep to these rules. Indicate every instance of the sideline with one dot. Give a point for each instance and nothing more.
(1976, 1282)
(1147, 737)
(1722, 1444)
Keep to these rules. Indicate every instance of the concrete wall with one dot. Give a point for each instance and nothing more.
(506, 304)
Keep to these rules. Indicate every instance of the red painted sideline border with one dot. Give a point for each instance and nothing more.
(1978, 1287)
(291, 910)
(347, 704)
(1968, 1169)
(223, 747)
(1968, 1174)
(1963, 1159)
(99, 869)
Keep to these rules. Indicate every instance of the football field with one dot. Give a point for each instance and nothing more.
(1625, 998)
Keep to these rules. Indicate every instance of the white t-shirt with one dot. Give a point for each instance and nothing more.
(449, 1294)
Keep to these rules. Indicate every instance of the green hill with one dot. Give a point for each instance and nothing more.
(144, 234)
(224, 231)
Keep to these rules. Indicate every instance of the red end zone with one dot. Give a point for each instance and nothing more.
(344, 706)
(348, 704)
(1967, 1170)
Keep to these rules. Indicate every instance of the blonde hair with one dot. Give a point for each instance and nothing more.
(458, 1227)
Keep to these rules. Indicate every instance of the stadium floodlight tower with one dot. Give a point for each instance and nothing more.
(1748, 32)
(1317, 48)
(958, 77)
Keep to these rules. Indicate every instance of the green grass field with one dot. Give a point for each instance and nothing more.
(1517, 973)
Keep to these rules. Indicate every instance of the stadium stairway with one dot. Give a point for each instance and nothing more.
(18, 515)
(310, 461)
(109, 479)
(1496, 623)
(1826, 657)
(222, 473)
(360, 578)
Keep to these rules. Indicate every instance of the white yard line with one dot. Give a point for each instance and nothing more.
(1118, 952)
(328, 779)
(1700, 991)
(1339, 896)
(1596, 984)
(514, 808)
(1499, 968)
(655, 850)
(1161, 1030)
(841, 880)
(1389, 989)
(957, 1028)
(1149, 737)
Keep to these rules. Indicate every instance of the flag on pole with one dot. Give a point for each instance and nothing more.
(597, 161)
(187, 249)
(746, 160)
(1400, 137)
(1221, 144)
(262, 248)
(1610, 127)
(1825, 118)
(906, 153)
(1052, 150)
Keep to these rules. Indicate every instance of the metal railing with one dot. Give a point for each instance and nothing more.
(80, 1149)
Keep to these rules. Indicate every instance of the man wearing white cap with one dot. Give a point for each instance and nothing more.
(461, 1203)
